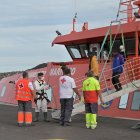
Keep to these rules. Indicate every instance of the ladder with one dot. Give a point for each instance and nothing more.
(126, 8)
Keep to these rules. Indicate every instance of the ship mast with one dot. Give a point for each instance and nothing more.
(74, 22)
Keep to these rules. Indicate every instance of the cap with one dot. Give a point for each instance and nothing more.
(40, 74)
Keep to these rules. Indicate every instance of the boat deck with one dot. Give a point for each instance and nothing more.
(108, 129)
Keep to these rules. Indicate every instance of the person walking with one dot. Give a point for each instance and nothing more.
(117, 69)
(67, 87)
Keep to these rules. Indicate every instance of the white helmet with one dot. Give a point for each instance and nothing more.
(121, 48)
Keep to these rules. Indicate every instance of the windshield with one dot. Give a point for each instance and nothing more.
(75, 52)
(78, 51)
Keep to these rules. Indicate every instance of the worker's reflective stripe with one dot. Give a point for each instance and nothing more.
(23, 97)
(23, 92)
(28, 117)
(20, 117)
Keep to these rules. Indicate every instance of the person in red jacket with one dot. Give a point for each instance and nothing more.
(24, 95)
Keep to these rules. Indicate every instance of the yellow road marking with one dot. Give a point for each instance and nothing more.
(52, 139)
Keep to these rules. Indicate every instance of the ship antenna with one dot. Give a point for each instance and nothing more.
(75, 15)
(74, 21)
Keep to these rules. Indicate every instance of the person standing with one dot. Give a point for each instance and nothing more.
(94, 66)
(117, 69)
(91, 91)
(41, 98)
(63, 66)
(24, 95)
(67, 87)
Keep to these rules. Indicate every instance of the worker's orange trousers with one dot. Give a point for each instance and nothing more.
(24, 112)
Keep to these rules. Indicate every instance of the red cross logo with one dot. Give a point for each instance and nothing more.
(21, 85)
(63, 80)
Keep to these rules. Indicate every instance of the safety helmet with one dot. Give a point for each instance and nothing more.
(121, 48)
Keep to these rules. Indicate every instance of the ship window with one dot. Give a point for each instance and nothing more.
(130, 46)
(136, 101)
(84, 50)
(2, 92)
(75, 52)
(116, 45)
(105, 51)
(123, 101)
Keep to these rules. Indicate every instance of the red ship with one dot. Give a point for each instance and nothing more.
(126, 32)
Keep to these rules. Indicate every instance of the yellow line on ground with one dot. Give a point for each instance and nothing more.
(52, 139)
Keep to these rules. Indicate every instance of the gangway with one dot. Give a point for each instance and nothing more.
(130, 79)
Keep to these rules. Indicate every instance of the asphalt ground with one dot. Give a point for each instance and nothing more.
(108, 128)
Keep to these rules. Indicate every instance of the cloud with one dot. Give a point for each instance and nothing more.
(27, 28)
(25, 47)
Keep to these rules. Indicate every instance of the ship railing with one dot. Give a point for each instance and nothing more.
(126, 3)
(131, 74)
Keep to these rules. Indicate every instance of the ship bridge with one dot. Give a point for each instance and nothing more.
(78, 44)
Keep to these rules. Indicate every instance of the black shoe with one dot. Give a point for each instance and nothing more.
(137, 126)
(36, 120)
(61, 123)
(20, 125)
(36, 117)
(45, 117)
(117, 90)
(29, 125)
(46, 120)
(120, 88)
(67, 124)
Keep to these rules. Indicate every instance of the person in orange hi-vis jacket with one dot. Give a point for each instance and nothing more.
(24, 95)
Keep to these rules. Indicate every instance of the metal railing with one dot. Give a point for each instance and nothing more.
(131, 73)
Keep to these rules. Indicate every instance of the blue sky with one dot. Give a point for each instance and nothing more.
(27, 28)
